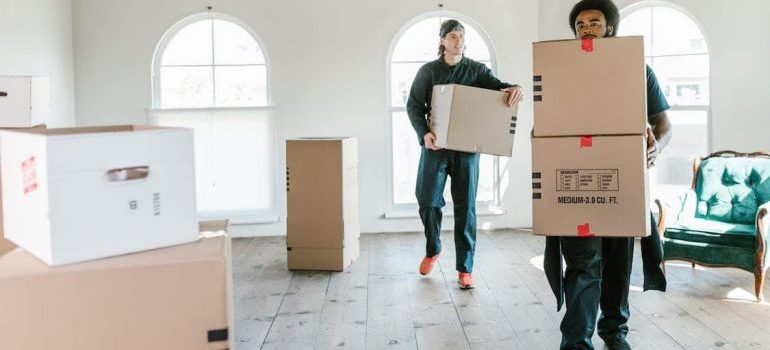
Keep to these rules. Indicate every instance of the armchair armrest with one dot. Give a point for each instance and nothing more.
(763, 222)
(763, 226)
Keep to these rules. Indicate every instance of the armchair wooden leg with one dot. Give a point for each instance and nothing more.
(693, 265)
(759, 284)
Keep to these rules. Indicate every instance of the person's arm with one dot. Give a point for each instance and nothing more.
(418, 109)
(487, 80)
(658, 136)
(659, 133)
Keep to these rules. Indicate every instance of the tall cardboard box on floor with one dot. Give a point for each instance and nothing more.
(322, 227)
(133, 185)
(171, 298)
(472, 119)
(590, 186)
(592, 87)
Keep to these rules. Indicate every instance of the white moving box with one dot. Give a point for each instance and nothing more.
(72, 195)
(24, 101)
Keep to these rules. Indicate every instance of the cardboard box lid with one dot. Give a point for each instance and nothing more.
(601, 91)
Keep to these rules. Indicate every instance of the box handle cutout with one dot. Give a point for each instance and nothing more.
(127, 174)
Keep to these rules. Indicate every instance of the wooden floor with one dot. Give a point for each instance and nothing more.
(381, 302)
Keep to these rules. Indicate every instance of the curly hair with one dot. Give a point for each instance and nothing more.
(607, 7)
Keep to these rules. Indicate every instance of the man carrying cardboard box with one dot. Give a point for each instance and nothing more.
(451, 67)
(598, 269)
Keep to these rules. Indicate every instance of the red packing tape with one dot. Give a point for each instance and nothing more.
(584, 230)
(586, 141)
(588, 45)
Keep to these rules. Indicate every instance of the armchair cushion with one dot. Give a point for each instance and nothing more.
(716, 232)
(731, 191)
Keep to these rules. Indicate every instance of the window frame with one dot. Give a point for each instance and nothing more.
(267, 216)
(630, 9)
(407, 210)
(160, 49)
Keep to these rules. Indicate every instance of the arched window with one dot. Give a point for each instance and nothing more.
(676, 49)
(415, 45)
(209, 60)
(210, 74)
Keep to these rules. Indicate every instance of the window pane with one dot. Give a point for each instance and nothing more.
(229, 180)
(190, 46)
(689, 140)
(242, 162)
(234, 45)
(241, 86)
(638, 23)
(406, 157)
(486, 191)
(402, 75)
(419, 42)
(683, 79)
(186, 87)
(674, 33)
(476, 48)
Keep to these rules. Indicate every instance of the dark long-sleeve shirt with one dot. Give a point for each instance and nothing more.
(467, 72)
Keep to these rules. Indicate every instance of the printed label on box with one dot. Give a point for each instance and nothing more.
(587, 180)
(29, 174)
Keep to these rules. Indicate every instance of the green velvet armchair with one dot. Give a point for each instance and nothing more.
(721, 221)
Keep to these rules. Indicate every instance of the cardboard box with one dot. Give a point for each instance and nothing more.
(586, 186)
(322, 227)
(24, 101)
(597, 87)
(172, 298)
(6, 245)
(133, 185)
(471, 119)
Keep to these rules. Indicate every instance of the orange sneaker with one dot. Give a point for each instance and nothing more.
(466, 280)
(426, 266)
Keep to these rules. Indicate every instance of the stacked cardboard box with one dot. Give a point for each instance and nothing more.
(471, 119)
(589, 173)
(322, 230)
(171, 298)
(134, 185)
(72, 196)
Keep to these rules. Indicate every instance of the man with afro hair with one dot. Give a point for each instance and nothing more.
(598, 270)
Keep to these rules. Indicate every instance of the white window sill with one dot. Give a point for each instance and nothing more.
(448, 212)
(243, 219)
(213, 109)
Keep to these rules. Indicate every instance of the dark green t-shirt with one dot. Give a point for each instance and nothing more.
(467, 72)
(656, 101)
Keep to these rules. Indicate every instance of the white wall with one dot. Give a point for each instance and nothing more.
(328, 76)
(36, 39)
(737, 34)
